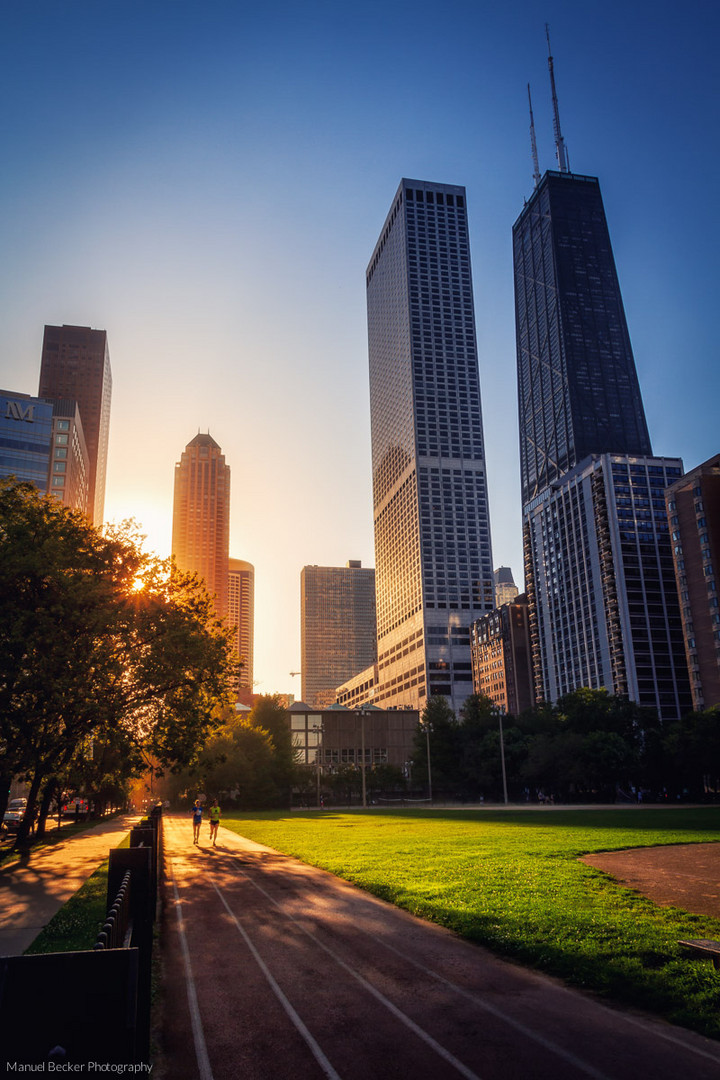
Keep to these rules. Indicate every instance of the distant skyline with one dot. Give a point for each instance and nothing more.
(207, 182)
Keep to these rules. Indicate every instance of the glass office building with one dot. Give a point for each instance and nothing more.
(433, 557)
(26, 432)
(603, 605)
(578, 389)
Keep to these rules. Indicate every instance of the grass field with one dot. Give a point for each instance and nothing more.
(511, 880)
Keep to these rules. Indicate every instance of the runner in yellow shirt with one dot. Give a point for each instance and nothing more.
(214, 821)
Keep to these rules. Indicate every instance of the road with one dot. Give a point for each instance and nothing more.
(276, 970)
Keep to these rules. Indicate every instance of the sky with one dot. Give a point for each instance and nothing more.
(206, 182)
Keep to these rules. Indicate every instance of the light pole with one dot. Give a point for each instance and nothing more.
(502, 754)
(317, 728)
(427, 736)
(361, 714)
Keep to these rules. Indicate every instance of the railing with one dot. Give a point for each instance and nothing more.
(117, 930)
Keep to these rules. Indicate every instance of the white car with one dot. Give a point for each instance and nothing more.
(15, 813)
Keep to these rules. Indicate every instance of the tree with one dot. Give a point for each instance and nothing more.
(98, 641)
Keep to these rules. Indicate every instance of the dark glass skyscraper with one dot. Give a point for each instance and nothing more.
(433, 559)
(577, 384)
(603, 605)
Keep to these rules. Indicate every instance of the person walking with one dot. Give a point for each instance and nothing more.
(214, 821)
(197, 821)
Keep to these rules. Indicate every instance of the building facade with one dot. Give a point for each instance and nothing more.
(433, 555)
(335, 737)
(338, 630)
(42, 442)
(201, 517)
(601, 588)
(76, 366)
(241, 615)
(501, 657)
(602, 602)
(693, 507)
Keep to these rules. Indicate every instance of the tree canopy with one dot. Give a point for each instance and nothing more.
(99, 643)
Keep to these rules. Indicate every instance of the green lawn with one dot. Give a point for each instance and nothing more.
(511, 880)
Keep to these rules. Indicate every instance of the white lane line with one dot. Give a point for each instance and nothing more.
(401, 1016)
(205, 1072)
(292, 1014)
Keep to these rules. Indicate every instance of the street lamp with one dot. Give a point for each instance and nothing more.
(502, 753)
(362, 714)
(317, 728)
(427, 736)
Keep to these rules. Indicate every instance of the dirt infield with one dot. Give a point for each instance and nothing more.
(673, 875)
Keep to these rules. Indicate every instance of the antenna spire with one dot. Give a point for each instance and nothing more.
(533, 143)
(560, 151)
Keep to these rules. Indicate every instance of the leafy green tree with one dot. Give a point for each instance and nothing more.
(692, 754)
(98, 640)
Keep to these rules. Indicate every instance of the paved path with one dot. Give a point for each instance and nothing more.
(34, 889)
(275, 970)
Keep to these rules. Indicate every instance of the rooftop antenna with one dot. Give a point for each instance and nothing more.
(560, 151)
(533, 143)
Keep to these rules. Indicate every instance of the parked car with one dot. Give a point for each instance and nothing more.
(75, 807)
(14, 814)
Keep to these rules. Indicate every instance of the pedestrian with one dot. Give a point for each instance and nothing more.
(214, 821)
(197, 821)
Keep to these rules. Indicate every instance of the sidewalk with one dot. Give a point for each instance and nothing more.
(35, 888)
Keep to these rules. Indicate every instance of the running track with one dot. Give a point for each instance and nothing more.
(275, 970)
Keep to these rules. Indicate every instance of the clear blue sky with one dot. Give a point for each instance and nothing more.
(206, 181)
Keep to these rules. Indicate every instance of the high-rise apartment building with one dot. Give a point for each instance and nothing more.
(76, 366)
(337, 627)
(201, 517)
(693, 506)
(42, 442)
(602, 599)
(501, 659)
(241, 614)
(433, 554)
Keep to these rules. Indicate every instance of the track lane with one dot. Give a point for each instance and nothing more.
(320, 938)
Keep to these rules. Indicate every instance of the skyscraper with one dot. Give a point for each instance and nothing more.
(241, 614)
(76, 365)
(577, 384)
(433, 559)
(337, 627)
(201, 516)
(602, 601)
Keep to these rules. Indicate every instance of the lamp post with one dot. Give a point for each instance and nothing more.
(361, 714)
(502, 754)
(427, 736)
(317, 728)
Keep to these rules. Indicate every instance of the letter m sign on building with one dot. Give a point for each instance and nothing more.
(18, 410)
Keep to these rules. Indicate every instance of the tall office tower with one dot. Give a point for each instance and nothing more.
(241, 614)
(577, 384)
(505, 588)
(432, 531)
(693, 506)
(602, 601)
(201, 516)
(337, 627)
(42, 442)
(76, 365)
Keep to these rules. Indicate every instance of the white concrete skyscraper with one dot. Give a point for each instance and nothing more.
(433, 558)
